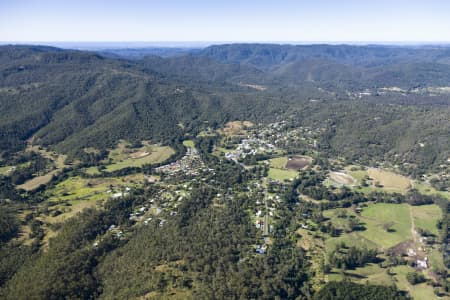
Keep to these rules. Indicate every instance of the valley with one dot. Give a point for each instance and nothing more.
(289, 172)
(358, 207)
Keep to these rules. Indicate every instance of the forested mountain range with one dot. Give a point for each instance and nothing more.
(75, 99)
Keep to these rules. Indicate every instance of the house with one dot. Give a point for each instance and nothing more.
(422, 264)
(261, 249)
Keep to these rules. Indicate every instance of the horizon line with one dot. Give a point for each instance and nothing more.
(199, 44)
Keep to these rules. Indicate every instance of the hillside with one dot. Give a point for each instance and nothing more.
(342, 65)
(69, 100)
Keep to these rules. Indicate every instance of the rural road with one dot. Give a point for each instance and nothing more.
(413, 226)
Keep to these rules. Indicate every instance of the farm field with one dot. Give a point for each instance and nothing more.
(373, 218)
(77, 188)
(427, 189)
(75, 194)
(294, 163)
(279, 162)
(419, 291)
(379, 180)
(123, 157)
(426, 217)
(35, 182)
(298, 162)
(279, 174)
(389, 180)
(404, 219)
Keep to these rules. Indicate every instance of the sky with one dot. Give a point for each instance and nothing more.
(227, 20)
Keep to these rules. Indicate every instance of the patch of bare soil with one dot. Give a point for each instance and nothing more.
(298, 163)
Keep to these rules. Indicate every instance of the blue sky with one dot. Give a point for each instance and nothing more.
(230, 20)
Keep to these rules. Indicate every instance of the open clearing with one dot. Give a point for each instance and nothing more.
(403, 217)
(427, 189)
(236, 127)
(278, 174)
(75, 194)
(389, 180)
(189, 143)
(373, 218)
(380, 180)
(426, 217)
(254, 86)
(294, 163)
(58, 161)
(35, 182)
(123, 157)
(278, 169)
(5, 170)
(376, 275)
(77, 188)
(278, 162)
(342, 178)
(298, 162)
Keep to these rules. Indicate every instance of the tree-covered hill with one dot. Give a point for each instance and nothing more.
(73, 99)
(69, 100)
(342, 65)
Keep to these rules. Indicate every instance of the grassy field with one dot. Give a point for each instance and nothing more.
(92, 170)
(426, 217)
(37, 181)
(419, 291)
(75, 194)
(373, 218)
(376, 275)
(189, 143)
(58, 162)
(278, 174)
(278, 171)
(76, 206)
(123, 157)
(278, 162)
(351, 239)
(375, 236)
(436, 259)
(389, 180)
(427, 189)
(5, 170)
(77, 188)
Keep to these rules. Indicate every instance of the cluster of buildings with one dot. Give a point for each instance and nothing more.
(268, 139)
(190, 164)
